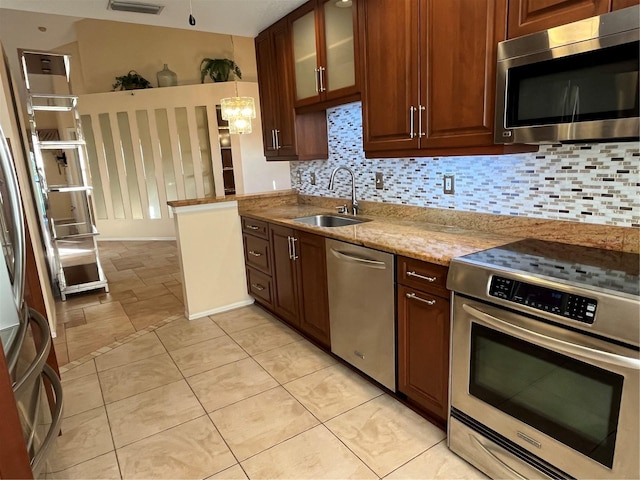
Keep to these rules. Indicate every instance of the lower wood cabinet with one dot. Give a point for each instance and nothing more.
(298, 281)
(423, 348)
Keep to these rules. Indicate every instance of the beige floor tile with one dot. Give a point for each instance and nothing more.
(80, 300)
(142, 347)
(160, 279)
(165, 302)
(71, 318)
(314, 454)
(262, 421)
(182, 333)
(88, 338)
(230, 383)
(191, 450)
(103, 467)
(294, 360)
(124, 284)
(126, 263)
(123, 296)
(143, 320)
(103, 312)
(232, 473)
(84, 436)
(62, 353)
(176, 290)
(87, 368)
(148, 413)
(438, 463)
(152, 291)
(81, 394)
(263, 338)
(332, 391)
(242, 318)
(151, 272)
(384, 433)
(137, 377)
(206, 355)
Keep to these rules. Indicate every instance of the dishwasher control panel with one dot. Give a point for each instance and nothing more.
(575, 307)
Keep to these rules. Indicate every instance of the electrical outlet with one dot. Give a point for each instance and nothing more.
(379, 181)
(312, 178)
(449, 184)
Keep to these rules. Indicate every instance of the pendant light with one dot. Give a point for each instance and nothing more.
(238, 111)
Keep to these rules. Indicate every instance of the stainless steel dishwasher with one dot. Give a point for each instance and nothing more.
(362, 309)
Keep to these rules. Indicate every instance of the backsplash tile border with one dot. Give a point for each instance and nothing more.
(595, 183)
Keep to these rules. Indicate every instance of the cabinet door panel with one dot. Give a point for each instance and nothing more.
(619, 4)
(458, 70)
(390, 73)
(423, 350)
(264, 63)
(339, 40)
(285, 299)
(285, 122)
(528, 16)
(312, 276)
(305, 54)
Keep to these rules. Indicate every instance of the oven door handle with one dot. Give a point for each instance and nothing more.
(561, 346)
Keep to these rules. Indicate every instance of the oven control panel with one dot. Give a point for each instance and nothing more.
(567, 305)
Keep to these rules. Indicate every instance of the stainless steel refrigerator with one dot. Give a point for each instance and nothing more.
(25, 334)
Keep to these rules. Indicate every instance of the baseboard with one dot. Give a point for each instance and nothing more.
(224, 308)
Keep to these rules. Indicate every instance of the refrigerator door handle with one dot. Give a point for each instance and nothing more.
(15, 202)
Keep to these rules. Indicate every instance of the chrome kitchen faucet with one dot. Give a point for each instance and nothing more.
(354, 201)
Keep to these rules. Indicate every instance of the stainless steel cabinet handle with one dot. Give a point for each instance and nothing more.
(253, 227)
(321, 71)
(421, 277)
(412, 111)
(293, 246)
(257, 286)
(273, 140)
(413, 296)
(277, 132)
(364, 261)
(289, 245)
(421, 108)
(255, 254)
(316, 73)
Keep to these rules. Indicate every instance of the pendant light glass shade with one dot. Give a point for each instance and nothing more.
(238, 111)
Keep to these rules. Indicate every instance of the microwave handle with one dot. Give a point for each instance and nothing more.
(560, 346)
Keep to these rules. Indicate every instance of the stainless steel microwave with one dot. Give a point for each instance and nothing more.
(570, 84)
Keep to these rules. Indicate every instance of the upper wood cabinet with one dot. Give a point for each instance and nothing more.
(429, 75)
(285, 135)
(528, 16)
(324, 47)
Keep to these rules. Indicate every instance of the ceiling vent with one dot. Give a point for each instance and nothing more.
(135, 7)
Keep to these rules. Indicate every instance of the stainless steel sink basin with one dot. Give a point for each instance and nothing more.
(330, 220)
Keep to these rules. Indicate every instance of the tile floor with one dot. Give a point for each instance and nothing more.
(232, 396)
(144, 289)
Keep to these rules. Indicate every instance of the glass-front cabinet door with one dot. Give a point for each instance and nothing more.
(324, 51)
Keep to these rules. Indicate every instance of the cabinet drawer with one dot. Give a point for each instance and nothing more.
(259, 286)
(425, 276)
(255, 227)
(257, 254)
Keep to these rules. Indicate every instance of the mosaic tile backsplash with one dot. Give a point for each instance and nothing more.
(596, 183)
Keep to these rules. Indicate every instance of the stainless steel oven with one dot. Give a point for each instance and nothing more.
(545, 365)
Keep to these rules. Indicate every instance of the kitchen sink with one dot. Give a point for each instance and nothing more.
(330, 220)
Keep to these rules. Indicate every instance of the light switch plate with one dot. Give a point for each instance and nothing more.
(449, 185)
(379, 181)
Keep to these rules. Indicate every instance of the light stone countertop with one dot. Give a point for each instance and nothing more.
(429, 242)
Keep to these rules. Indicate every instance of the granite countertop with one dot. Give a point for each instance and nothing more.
(229, 198)
(430, 242)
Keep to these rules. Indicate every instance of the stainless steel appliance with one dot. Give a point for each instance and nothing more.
(545, 375)
(573, 83)
(362, 309)
(26, 362)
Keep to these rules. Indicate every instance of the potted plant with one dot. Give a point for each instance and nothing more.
(218, 69)
(131, 81)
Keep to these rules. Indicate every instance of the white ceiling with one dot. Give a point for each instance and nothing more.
(235, 17)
